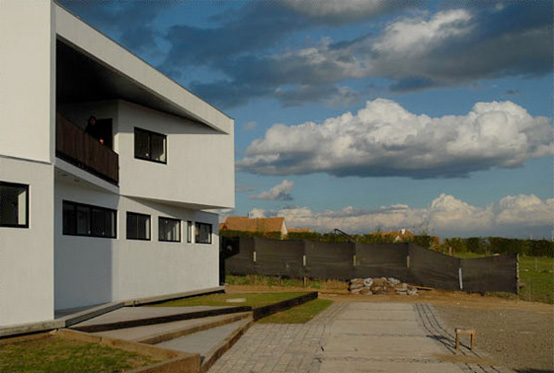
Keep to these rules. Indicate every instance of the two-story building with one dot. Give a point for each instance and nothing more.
(107, 168)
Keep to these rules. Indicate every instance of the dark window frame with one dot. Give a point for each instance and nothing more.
(160, 218)
(149, 226)
(27, 192)
(91, 215)
(196, 226)
(149, 133)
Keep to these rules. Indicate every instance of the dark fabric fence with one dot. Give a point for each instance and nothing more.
(329, 260)
(429, 268)
(279, 258)
(500, 274)
(344, 261)
(382, 260)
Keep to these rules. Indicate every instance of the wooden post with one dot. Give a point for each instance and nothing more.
(517, 274)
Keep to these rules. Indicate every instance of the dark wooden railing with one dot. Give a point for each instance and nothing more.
(83, 150)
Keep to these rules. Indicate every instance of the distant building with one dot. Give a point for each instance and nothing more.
(256, 225)
(402, 235)
(300, 230)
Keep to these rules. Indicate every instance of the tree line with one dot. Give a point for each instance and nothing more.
(477, 245)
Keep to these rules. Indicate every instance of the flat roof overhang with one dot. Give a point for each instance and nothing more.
(92, 67)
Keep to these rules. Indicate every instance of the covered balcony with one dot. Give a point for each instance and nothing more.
(76, 146)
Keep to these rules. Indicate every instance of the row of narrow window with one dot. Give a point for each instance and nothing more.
(86, 220)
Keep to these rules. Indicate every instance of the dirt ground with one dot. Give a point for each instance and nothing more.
(511, 332)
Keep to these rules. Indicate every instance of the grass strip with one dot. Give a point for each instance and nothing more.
(54, 354)
(299, 314)
(254, 300)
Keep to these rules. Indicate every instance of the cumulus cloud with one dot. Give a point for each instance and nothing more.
(384, 139)
(445, 215)
(280, 192)
(420, 51)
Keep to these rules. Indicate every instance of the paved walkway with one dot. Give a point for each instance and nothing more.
(352, 337)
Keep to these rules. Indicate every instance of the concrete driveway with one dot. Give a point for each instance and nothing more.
(353, 337)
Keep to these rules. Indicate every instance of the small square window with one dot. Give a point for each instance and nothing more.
(203, 233)
(14, 205)
(150, 146)
(169, 230)
(138, 226)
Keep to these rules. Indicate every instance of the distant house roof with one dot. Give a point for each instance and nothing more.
(299, 230)
(245, 224)
(399, 235)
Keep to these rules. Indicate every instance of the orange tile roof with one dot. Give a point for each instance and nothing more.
(299, 230)
(245, 224)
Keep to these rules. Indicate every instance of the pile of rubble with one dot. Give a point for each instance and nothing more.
(368, 286)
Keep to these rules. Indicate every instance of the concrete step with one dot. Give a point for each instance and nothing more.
(130, 317)
(210, 343)
(157, 333)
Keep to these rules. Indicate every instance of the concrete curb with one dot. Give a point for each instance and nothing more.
(262, 312)
(174, 296)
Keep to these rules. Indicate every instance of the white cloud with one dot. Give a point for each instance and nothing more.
(339, 11)
(444, 215)
(280, 192)
(384, 139)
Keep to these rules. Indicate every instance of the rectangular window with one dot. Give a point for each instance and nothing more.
(138, 226)
(150, 146)
(80, 219)
(189, 231)
(169, 230)
(14, 205)
(203, 233)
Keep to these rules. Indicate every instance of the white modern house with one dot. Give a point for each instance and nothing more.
(115, 210)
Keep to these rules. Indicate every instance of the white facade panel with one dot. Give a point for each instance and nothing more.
(27, 76)
(200, 160)
(27, 254)
(92, 270)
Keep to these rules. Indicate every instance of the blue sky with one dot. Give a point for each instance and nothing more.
(364, 115)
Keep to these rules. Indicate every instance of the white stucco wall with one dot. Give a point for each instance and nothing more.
(90, 270)
(200, 161)
(27, 79)
(27, 254)
(147, 268)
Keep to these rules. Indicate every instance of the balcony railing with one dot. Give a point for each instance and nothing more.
(79, 148)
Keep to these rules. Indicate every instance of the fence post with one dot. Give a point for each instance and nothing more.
(517, 274)
(254, 256)
(354, 260)
(460, 278)
(407, 261)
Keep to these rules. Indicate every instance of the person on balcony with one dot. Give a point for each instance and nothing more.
(94, 130)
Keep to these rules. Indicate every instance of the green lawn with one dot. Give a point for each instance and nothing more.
(536, 274)
(54, 354)
(253, 300)
(299, 314)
